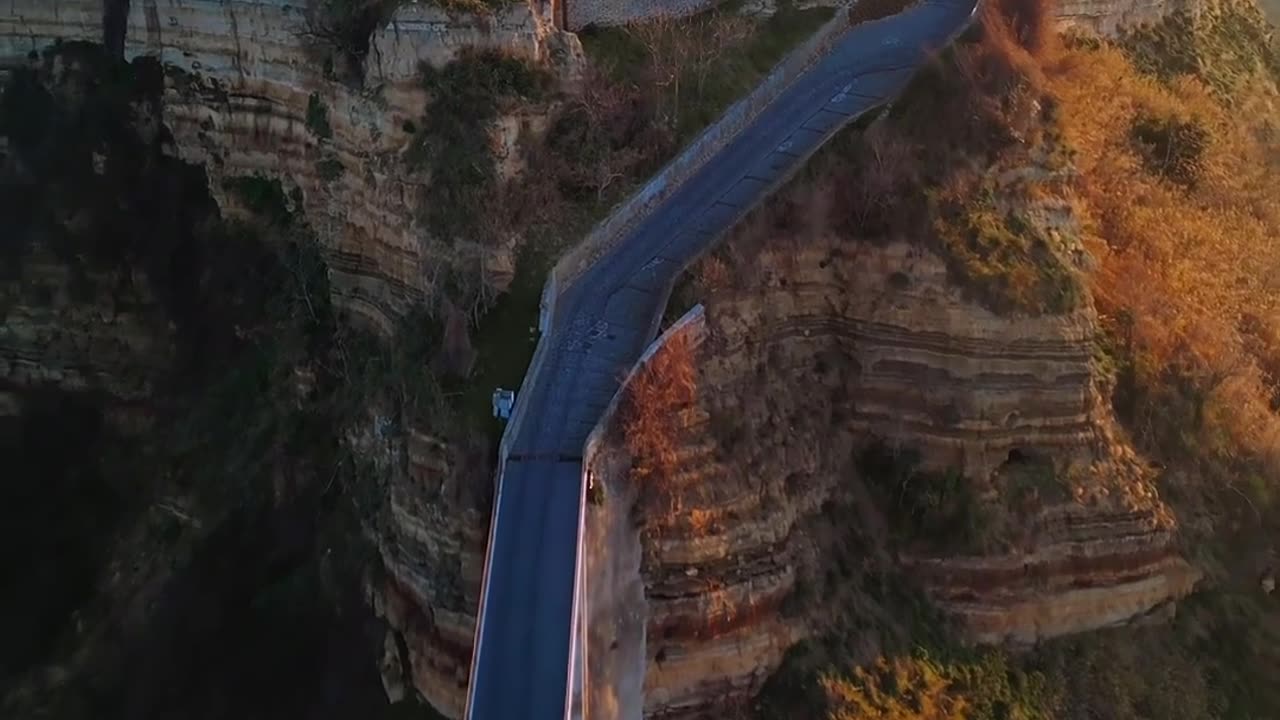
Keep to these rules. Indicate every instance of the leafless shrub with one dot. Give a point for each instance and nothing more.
(655, 396)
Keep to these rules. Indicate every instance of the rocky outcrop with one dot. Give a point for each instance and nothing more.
(814, 349)
(926, 369)
(849, 342)
(1086, 568)
(247, 94)
(113, 339)
(428, 522)
(246, 87)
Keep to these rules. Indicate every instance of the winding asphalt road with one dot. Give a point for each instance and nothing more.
(603, 321)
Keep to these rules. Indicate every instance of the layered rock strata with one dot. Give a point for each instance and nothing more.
(1108, 17)
(815, 350)
(1088, 568)
(247, 85)
(75, 326)
(116, 341)
(429, 530)
(247, 94)
(914, 363)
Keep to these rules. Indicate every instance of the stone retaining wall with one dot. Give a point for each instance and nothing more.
(582, 13)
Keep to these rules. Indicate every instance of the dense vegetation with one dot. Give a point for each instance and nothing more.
(937, 512)
(453, 144)
(694, 67)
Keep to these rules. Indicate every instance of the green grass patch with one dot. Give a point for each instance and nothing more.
(504, 341)
(1005, 259)
(502, 338)
(741, 69)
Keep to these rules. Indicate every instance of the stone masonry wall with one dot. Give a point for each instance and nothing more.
(582, 13)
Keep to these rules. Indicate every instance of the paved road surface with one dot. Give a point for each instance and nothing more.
(602, 324)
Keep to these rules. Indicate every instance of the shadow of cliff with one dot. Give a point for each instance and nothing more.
(244, 602)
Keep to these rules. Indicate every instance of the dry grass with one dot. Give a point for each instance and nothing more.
(650, 411)
(1174, 183)
(895, 689)
(1189, 269)
(603, 140)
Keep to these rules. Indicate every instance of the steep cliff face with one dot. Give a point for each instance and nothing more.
(251, 91)
(112, 336)
(853, 340)
(820, 348)
(165, 430)
(905, 383)
(430, 532)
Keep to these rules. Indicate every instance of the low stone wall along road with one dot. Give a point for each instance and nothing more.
(524, 659)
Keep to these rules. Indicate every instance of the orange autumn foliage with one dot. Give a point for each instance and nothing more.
(649, 411)
(1189, 277)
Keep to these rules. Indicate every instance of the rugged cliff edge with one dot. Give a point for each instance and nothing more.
(254, 94)
(252, 91)
(167, 420)
(430, 534)
(916, 393)
(1108, 18)
(838, 344)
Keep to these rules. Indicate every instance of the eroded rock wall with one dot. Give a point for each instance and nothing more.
(820, 346)
(1087, 568)
(429, 527)
(115, 340)
(1108, 17)
(243, 82)
(243, 76)
(584, 13)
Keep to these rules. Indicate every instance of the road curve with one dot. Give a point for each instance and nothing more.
(602, 324)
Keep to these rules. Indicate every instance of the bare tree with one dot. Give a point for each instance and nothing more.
(669, 46)
(718, 34)
(677, 46)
